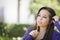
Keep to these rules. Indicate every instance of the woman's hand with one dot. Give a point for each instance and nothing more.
(34, 33)
(56, 18)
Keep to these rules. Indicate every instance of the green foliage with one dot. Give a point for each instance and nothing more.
(37, 4)
(18, 30)
(13, 30)
(2, 25)
(8, 31)
(5, 38)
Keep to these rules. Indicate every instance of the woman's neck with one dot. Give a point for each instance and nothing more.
(43, 29)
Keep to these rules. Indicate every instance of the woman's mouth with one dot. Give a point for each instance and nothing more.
(39, 22)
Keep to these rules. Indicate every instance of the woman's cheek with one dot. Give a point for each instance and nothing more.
(45, 21)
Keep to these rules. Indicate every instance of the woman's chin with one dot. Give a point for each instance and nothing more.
(39, 25)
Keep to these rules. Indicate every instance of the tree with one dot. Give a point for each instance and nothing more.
(37, 4)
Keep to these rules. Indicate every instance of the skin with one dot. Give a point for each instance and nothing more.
(42, 22)
(43, 18)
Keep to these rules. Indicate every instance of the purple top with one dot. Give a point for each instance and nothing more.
(56, 35)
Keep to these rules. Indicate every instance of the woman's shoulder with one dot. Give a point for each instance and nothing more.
(26, 35)
(56, 35)
(30, 28)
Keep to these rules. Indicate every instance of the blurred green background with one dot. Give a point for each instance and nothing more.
(37, 4)
(8, 31)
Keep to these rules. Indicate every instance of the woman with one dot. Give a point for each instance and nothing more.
(44, 28)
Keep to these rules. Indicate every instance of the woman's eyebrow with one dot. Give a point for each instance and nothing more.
(43, 15)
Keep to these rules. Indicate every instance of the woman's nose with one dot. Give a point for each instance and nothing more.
(40, 18)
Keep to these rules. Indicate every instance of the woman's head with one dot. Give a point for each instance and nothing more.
(44, 19)
(44, 16)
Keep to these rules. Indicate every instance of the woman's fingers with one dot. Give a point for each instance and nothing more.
(34, 33)
(56, 18)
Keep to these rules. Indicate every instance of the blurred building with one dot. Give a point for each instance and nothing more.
(1, 11)
(16, 11)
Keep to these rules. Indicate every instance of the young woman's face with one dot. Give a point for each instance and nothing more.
(43, 18)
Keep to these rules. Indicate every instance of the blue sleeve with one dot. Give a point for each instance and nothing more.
(56, 35)
(27, 36)
(57, 25)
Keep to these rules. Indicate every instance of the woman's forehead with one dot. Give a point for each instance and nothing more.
(44, 12)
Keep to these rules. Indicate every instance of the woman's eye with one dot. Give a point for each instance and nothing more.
(44, 17)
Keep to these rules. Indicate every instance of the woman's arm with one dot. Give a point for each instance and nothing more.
(30, 34)
(57, 25)
(27, 36)
(56, 35)
(56, 22)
